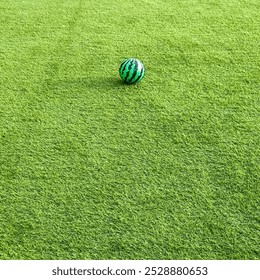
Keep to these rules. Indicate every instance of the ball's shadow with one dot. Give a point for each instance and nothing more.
(97, 83)
(111, 82)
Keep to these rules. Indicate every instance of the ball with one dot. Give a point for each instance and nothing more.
(131, 70)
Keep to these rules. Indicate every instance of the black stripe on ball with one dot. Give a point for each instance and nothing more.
(129, 69)
(124, 66)
(140, 76)
(135, 71)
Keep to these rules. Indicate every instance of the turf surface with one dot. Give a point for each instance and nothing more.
(91, 168)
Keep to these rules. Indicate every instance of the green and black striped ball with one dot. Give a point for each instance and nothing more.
(131, 70)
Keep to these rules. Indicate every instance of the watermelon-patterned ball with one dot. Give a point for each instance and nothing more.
(131, 70)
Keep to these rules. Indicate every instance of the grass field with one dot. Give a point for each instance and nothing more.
(91, 168)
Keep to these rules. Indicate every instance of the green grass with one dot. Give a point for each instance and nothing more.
(91, 168)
